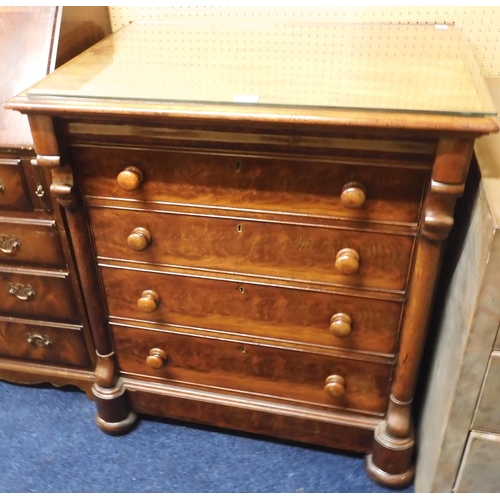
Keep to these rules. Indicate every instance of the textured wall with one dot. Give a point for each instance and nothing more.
(480, 24)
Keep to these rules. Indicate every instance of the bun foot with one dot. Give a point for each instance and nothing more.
(113, 415)
(390, 480)
(117, 428)
(391, 460)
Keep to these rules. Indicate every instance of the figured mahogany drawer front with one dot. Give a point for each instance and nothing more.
(276, 185)
(54, 345)
(29, 242)
(33, 296)
(290, 251)
(13, 190)
(289, 314)
(290, 374)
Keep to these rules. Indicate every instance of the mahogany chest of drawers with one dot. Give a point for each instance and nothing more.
(44, 333)
(260, 256)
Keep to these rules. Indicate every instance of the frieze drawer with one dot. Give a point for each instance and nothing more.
(323, 188)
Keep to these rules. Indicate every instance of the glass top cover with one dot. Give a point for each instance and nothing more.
(420, 68)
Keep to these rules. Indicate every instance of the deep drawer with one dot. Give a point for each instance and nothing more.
(46, 344)
(36, 296)
(30, 241)
(263, 311)
(13, 189)
(283, 373)
(276, 185)
(270, 249)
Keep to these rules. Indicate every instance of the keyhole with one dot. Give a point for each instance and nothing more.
(242, 289)
(243, 350)
(239, 228)
(237, 165)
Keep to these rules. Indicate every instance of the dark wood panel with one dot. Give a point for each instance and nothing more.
(262, 311)
(288, 374)
(281, 421)
(26, 41)
(61, 346)
(34, 41)
(13, 189)
(255, 248)
(28, 241)
(52, 297)
(278, 185)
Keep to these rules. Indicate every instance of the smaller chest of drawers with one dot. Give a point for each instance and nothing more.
(44, 334)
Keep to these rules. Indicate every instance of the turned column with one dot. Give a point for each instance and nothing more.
(113, 415)
(391, 461)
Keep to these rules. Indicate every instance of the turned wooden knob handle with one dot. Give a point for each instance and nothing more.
(340, 325)
(353, 195)
(130, 178)
(139, 239)
(347, 261)
(335, 385)
(157, 358)
(149, 301)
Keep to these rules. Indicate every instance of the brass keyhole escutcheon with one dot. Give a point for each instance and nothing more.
(241, 289)
(40, 192)
(239, 228)
(243, 350)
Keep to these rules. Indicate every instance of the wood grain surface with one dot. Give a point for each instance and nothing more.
(52, 300)
(304, 187)
(66, 347)
(273, 312)
(256, 369)
(301, 253)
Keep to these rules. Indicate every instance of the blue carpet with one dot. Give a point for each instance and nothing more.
(50, 443)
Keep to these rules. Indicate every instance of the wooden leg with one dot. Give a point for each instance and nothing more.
(390, 462)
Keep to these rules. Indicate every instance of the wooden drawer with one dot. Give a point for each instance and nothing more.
(14, 193)
(45, 344)
(283, 373)
(290, 251)
(275, 185)
(487, 415)
(29, 241)
(274, 312)
(46, 296)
